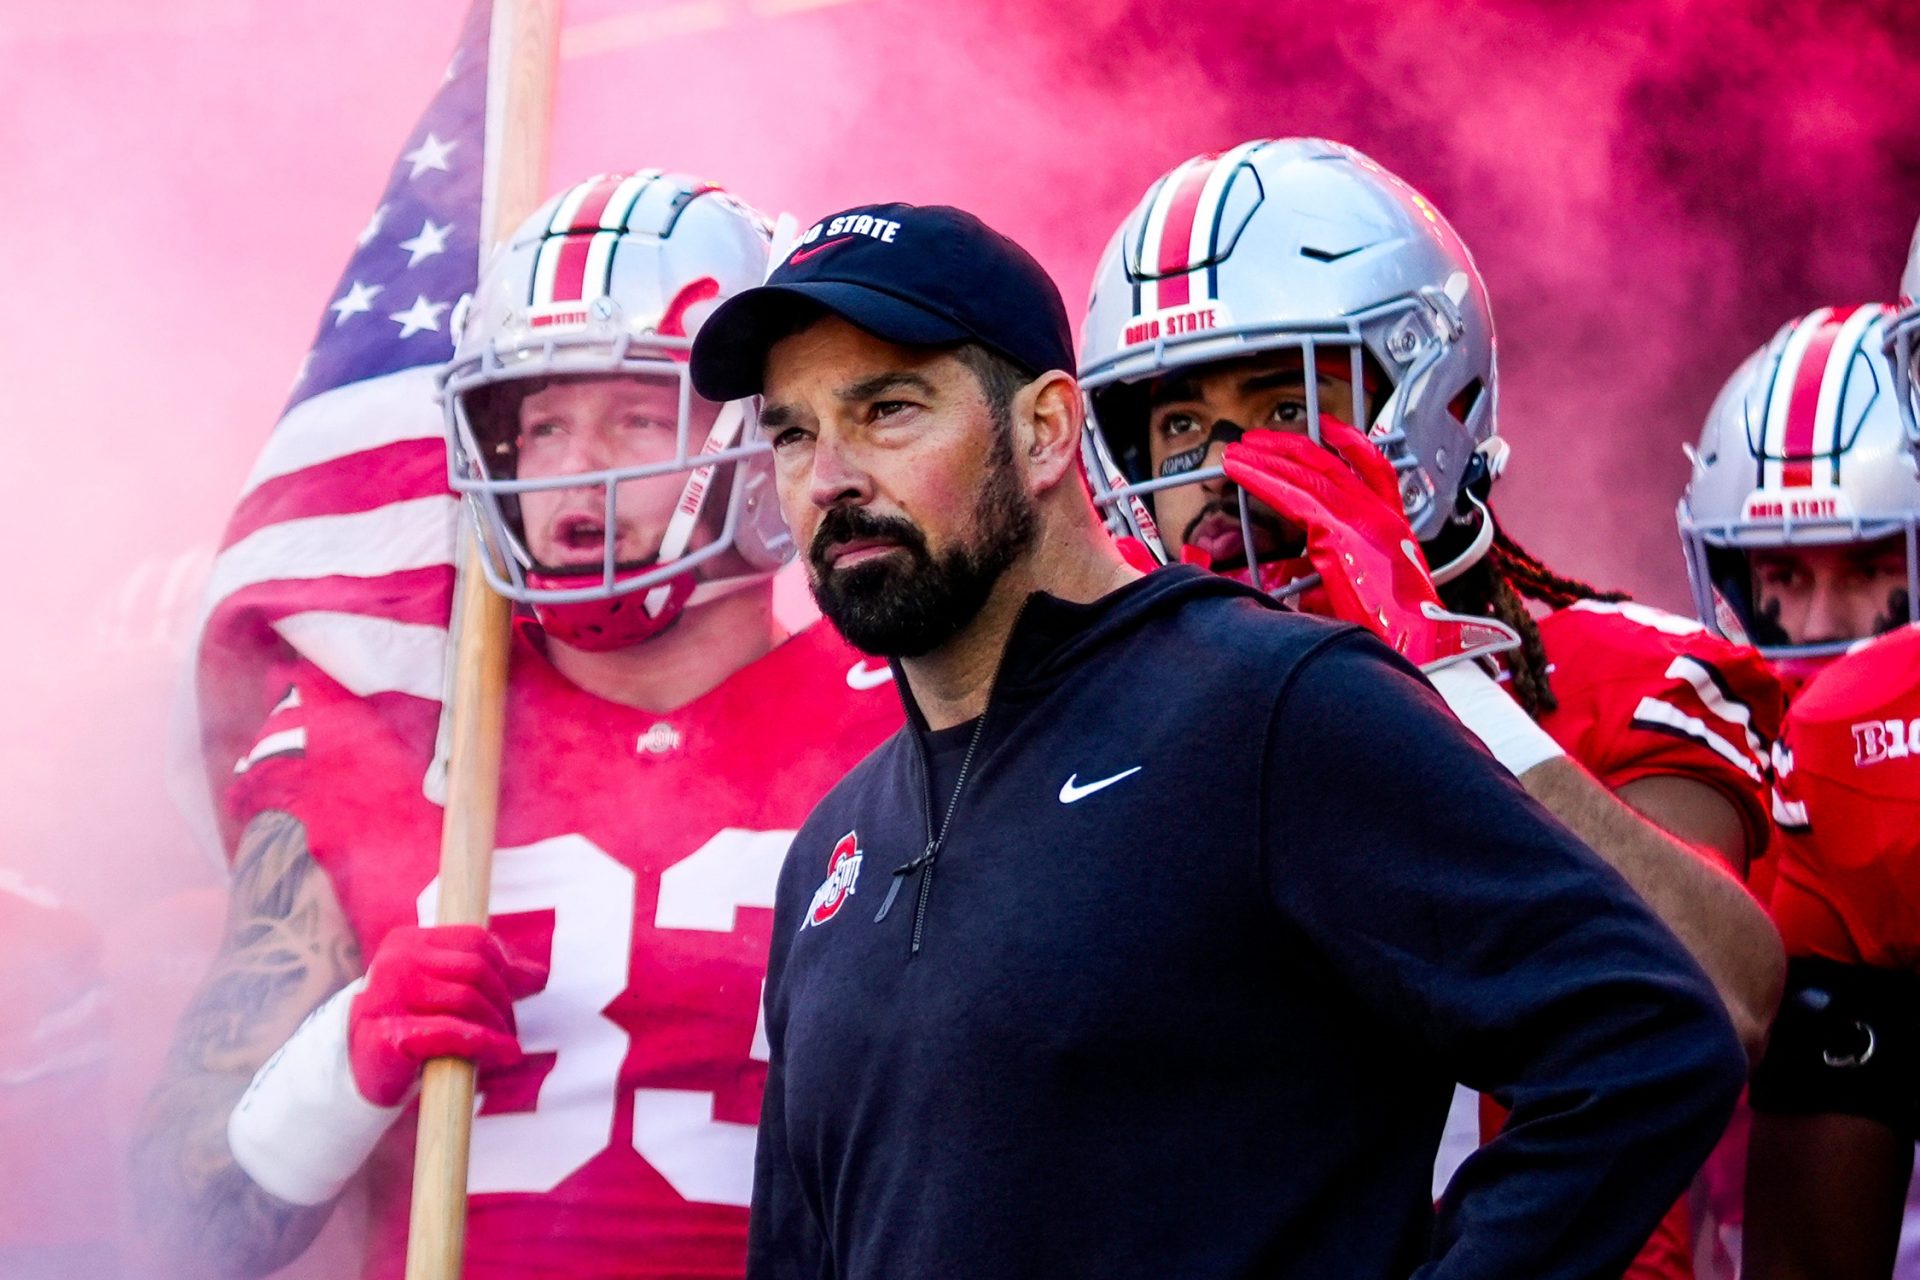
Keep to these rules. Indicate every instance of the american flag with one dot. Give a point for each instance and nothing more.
(341, 547)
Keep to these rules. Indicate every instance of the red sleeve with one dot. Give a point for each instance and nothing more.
(1643, 693)
(1847, 802)
(1810, 921)
(269, 773)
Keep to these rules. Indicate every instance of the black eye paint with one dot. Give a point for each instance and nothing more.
(1224, 431)
(1898, 612)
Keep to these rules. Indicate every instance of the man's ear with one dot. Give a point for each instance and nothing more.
(1053, 414)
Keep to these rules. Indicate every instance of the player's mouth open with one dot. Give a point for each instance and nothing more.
(579, 539)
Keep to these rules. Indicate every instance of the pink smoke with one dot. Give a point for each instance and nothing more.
(1650, 186)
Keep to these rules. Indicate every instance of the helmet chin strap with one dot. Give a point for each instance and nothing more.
(620, 621)
(727, 428)
(1494, 453)
(1470, 556)
(693, 498)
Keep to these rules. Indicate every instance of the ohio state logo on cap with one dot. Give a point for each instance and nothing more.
(843, 869)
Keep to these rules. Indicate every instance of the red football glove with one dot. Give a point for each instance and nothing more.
(1346, 499)
(444, 991)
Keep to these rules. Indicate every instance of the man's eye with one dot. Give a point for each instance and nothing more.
(1894, 569)
(1288, 412)
(1175, 425)
(787, 437)
(541, 431)
(890, 408)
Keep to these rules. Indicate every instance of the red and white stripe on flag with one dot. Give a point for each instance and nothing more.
(341, 547)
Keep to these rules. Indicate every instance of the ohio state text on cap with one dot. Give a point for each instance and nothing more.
(917, 275)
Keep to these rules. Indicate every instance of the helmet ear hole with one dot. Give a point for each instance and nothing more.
(1463, 405)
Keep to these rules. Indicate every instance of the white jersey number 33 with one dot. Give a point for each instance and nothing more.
(591, 895)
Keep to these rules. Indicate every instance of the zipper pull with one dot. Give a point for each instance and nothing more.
(900, 874)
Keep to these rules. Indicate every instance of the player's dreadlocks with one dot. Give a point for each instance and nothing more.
(1498, 586)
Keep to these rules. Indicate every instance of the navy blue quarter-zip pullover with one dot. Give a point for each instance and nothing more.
(1226, 904)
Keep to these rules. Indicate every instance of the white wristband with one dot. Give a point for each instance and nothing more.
(1496, 719)
(303, 1129)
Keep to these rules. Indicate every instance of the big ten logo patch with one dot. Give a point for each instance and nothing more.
(1876, 741)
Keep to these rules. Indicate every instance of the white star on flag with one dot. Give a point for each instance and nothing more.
(430, 241)
(348, 533)
(421, 315)
(373, 226)
(359, 298)
(431, 154)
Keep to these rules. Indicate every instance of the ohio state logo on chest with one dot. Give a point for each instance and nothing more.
(843, 869)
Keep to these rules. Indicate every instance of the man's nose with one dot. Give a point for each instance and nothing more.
(1829, 615)
(587, 451)
(837, 476)
(1214, 454)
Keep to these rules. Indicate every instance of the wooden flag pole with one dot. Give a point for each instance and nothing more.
(520, 68)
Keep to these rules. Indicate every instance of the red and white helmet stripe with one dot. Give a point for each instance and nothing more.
(1181, 235)
(1804, 424)
(576, 258)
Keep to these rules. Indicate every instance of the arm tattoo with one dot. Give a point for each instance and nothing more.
(286, 948)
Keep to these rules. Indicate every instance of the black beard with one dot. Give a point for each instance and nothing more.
(909, 602)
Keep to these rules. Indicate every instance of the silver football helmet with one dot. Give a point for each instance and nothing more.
(1903, 344)
(1298, 244)
(1804, 446)
(615, 276)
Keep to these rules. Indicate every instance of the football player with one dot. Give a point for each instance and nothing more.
(1835, 1119)
(663, 741)
(1799, 524)
(1798, 520)
(1290, 359)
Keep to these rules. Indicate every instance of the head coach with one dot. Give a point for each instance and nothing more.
(1152, 946)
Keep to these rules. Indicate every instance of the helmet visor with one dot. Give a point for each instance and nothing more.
(1806, 597)
(590, 483)
(1156, 463)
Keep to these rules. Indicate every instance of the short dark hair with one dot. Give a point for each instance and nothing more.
(1000, 380)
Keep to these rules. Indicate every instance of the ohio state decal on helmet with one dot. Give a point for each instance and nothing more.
(843, 870)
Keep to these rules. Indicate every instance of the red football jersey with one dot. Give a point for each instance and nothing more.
(1847, 805)
(638, 855)
(1645, 693)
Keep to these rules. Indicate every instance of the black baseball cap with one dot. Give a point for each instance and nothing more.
(917, 275)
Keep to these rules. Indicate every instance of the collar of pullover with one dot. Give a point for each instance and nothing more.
(1052, 636)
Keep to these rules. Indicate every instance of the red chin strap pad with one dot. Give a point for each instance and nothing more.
(616, 622)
